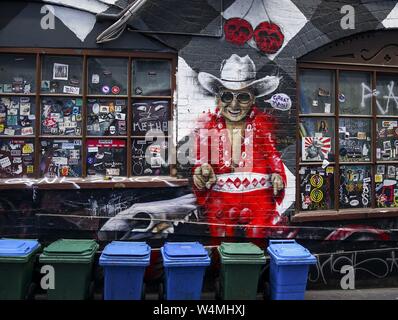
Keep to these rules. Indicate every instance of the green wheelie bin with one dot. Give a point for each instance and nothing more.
(241, 265)
(17, 259)
(72, 261)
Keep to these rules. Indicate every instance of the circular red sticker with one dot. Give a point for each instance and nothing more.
(115, 90)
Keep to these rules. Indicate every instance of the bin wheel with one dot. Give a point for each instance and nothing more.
(30, 295)
(161, 291)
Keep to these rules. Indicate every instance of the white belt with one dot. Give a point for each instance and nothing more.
(238, 182)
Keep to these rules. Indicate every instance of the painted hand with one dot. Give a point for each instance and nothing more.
(277, 183)
(204, 177)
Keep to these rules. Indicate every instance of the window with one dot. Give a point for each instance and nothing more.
(84, 114)
(348, 138)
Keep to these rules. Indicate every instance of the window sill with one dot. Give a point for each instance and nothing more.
(352, 214)
(92, 183)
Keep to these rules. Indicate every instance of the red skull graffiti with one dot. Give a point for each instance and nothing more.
(269, 37)
(238, 31)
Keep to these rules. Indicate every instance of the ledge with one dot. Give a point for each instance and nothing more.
(353, 214)
(92, 183)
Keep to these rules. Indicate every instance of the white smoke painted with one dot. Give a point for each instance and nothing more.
(192, 100)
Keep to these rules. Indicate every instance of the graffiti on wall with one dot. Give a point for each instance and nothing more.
(232, 197)
(370, 265)
(247, 187)
(243, 182)
(262, 25)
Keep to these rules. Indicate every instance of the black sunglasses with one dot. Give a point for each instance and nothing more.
(242, 97)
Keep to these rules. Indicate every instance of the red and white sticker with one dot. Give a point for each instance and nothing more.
(27, 131)
(115, 90)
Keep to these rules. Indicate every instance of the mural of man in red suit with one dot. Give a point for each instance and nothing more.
(238, 176)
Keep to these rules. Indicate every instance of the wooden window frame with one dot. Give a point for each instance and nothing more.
(337, 213)
(86, 182)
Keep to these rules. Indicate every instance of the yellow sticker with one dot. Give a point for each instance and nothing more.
(378, 178)
(111, 107)
(329, 170)
(27, 148)
(1, 128)
(316, 195)
(316, 181)
(29, 169)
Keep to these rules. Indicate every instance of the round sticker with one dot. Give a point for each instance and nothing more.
(115, 90)
(341, 97)
(316, 195)
(96, 108)
(316, 181)
(354, 203)
(105, 89)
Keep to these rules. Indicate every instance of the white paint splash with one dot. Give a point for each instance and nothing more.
(92, 6)
(290, 192)
(282, 12)
(391, 21)
(192, 100)
(79, 22)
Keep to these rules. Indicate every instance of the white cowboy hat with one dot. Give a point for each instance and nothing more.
(236, 74)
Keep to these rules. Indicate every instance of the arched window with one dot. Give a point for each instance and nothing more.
(347, 129)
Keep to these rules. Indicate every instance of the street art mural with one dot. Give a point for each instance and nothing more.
(239, 83)
(246, 180)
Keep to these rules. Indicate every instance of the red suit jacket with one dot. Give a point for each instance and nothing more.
(243, 194)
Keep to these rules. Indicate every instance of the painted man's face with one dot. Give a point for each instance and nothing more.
(235, 105)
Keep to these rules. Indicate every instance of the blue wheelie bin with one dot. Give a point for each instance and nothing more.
(124, 266)
(288, 269)
(184, 266)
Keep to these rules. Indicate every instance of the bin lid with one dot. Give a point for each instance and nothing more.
(289, 251)
(127, 249)
(184, 254)
(176, 250)
(17, 247)
(71, 247)
(241, 253)
(121, 253)
(240, 249)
